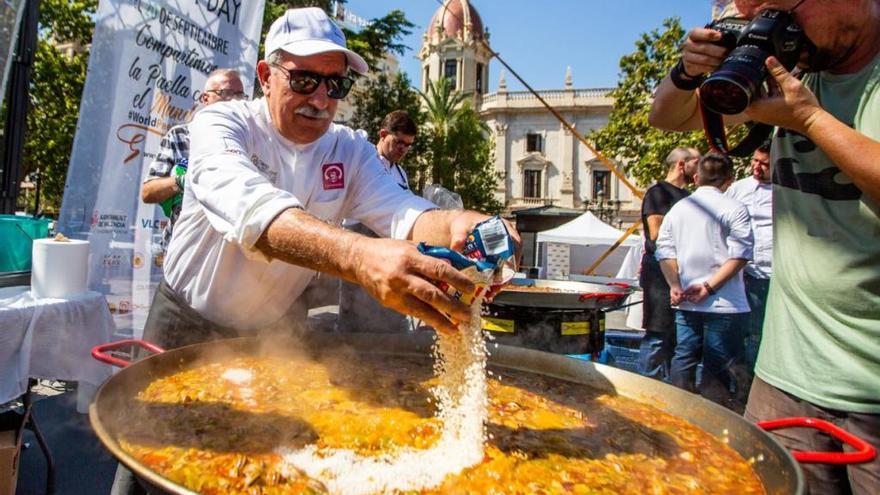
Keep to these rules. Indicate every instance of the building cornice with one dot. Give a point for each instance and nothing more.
(593, 100)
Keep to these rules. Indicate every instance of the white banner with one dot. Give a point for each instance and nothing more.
(149, 61)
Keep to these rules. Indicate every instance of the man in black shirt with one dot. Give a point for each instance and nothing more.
(658, 319)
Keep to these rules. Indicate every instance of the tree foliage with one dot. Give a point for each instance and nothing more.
(628, 136)
(381, 36)
(57, 81)
(459, 156)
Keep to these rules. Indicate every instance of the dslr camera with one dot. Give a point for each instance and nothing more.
(741, 76)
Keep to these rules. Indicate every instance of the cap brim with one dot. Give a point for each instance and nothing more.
(304, 48)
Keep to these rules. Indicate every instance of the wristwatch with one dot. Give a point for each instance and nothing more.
(709, 288)
(178, 181)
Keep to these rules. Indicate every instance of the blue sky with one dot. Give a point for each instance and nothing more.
(540, 38)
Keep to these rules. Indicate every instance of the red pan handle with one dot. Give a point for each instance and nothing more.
(864, 451)
(600, 295)
(619, 284)
(99, 352)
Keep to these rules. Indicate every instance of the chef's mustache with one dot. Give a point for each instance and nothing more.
(312, 112)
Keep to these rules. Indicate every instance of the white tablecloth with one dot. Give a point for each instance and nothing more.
(51, 338)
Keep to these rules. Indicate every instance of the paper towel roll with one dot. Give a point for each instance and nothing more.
(59, 268)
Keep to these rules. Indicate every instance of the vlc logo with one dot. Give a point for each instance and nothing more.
(333, 175)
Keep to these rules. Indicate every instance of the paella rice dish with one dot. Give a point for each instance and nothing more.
(223, 428)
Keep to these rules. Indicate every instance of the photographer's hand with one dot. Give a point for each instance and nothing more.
(676, 109)
(796, 108)
(700, 54)
(790, 104)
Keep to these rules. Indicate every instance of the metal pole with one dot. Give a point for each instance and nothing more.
(39, 181)
(629, 231)
(17, 103)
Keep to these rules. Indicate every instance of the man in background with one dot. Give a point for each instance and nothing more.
(658, 318)
(705, 241)
(756, 192)
(166, 177)
(358, 311)
(396, 137)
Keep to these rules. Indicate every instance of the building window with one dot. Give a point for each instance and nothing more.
(532, 184)
(601, 184)
(480, 79)
(534, 143)
(450, 71)
(427, 77)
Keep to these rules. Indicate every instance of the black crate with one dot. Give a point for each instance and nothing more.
(552, 330)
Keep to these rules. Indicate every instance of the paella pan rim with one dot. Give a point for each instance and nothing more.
(133, 465)
(562, 294)
(778, 472)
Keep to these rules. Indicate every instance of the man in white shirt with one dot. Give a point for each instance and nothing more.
(756, 192)
(396, 137)
(705, 240)
(269, 182)
(358, 312)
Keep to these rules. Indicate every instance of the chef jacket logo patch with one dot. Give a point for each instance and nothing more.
(265, 169)
(334, 176)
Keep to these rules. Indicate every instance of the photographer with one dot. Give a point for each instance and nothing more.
(820, 354)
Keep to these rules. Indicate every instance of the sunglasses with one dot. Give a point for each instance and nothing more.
(228, 94)
(306, 82)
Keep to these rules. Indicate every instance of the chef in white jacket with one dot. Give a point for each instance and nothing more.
(270, 182)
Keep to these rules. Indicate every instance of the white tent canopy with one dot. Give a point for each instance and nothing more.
(588, 238)
(586, 230)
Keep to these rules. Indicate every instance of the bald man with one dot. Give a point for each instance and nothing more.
(658, 318)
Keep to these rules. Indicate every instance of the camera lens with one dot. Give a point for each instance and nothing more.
(730, 89)
(725, 95)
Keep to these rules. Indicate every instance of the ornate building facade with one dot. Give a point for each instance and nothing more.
(539, 161)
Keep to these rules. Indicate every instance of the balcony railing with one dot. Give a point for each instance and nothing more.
(556, 98)
(533, 201)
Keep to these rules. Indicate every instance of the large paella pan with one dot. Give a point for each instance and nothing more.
(168, 419)
(562, 294)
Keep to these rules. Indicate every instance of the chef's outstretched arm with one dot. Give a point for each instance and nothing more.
(392, 271)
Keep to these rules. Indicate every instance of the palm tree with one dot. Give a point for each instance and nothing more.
(459, 152)
(445, 107)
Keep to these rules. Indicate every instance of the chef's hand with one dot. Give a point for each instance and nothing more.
(398, 276)
(696, 293)
(790, 104)
(464, 223)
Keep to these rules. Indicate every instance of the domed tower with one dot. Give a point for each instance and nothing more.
(456, 45)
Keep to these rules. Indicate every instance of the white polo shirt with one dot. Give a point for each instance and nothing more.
(758, 198)
(397, 173)
(242, 174)
(702, 232)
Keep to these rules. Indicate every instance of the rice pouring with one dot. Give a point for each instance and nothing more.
(460, 396)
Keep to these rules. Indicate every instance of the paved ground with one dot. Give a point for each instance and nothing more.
(83, 466)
